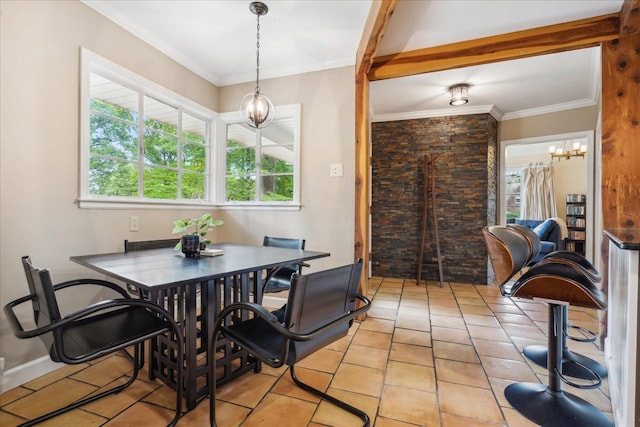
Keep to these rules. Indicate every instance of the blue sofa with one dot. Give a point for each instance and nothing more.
(547, 230)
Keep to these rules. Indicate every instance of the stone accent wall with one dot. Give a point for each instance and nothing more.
(466, 193)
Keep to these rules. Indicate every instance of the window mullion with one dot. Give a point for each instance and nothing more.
(141, 144)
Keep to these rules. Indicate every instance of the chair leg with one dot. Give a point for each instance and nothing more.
(89, 399)
(355, 411)
(549, 406)
(573, 364)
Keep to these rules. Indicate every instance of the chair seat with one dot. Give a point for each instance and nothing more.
(257, 335)
(103, 332)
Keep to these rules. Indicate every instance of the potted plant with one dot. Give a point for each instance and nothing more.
(194, 233)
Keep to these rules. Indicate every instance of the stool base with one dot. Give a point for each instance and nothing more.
(538, 355)
(539, 404)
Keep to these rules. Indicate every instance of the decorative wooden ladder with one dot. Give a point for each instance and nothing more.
(430, 187)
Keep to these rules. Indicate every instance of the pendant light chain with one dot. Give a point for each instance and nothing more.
(258, 56)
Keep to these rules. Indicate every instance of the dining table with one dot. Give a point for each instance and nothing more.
(193, 291)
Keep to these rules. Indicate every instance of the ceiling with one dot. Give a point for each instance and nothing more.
(217, 40)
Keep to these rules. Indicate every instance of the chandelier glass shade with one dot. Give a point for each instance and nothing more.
(255, 108)
(561, 152)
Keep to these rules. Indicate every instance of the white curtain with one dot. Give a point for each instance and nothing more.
(537, 195)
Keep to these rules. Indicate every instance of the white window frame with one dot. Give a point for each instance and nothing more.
(93, 63)
(224, 119)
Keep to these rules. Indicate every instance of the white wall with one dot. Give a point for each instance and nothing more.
(39, 81)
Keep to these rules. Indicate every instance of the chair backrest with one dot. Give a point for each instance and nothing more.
(509, 251)
(45, 304)
(149, 244)
(316, 300)
(287, 243)
(532, 238)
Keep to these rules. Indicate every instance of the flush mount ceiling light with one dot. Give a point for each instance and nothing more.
(255, 108)
(459, 94)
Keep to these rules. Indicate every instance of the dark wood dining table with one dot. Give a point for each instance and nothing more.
(193, 291)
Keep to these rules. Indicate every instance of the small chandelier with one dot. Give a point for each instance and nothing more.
(562, 153)
(255, 108)
(459, 94)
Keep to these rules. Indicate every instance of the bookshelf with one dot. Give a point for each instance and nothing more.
(576, 220)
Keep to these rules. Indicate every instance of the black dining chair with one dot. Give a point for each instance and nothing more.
(320, 309)
(278, 279)
(93, 331)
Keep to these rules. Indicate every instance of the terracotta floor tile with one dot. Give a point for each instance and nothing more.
(451, 335)
(409, 405)
(413, 322)
(469, 402)
(416, 354)
(454, 351)
(444, 310)
(450, 420)
(382, 313)
(507, 369)
(454, 322)
(413, 311)
(486, 333)
(523, 331)
(13, 394)
(367, 356)
(281, 411)
(497, 349)
(331, 415)
(322, 360)
(380, 325)
(358, 379)
(480, 320)
(372, 339)
(501, 308)
(472, 301)
(48, 379)
(514, 319)
(476, 309)
(227, 415)
(49, 398)
(142, 414)
(386, 422)
(246, 390)
(111, 405)
(105, 371)
(385, 296)
(316, 379)
(412, 376)
(470, 374)
(381, 303)
(408, 336)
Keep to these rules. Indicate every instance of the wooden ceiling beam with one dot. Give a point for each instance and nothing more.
(630, 17)
(377, 21)
(572, 35)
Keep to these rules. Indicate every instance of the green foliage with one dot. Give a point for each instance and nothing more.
(114, 146)
(197, 226)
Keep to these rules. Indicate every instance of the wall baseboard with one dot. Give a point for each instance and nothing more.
(26, 372)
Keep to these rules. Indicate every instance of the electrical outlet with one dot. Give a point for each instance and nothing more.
(133, 223)
(335, 169)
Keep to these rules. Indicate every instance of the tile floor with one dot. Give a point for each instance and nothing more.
(425, 356)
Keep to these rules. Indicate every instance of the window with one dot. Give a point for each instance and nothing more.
(261, 166)
(141, 143)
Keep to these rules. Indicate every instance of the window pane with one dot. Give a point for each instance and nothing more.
(277, 159)
(112, 137)
(241, 160)
(112, 178)
(160, 183)
(193, 186)
(194, 130)
(160, 116)
(241, 189)
(276, 188)
(160, 149)
(194, 156)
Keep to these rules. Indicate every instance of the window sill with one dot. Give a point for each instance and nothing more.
(94, 203)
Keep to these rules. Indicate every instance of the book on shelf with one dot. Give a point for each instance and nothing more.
(577, 235)
(576, 198)
(575, 209)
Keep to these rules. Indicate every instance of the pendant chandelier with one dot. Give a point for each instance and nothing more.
(255, 108)
(459, 94)
(564, 153)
